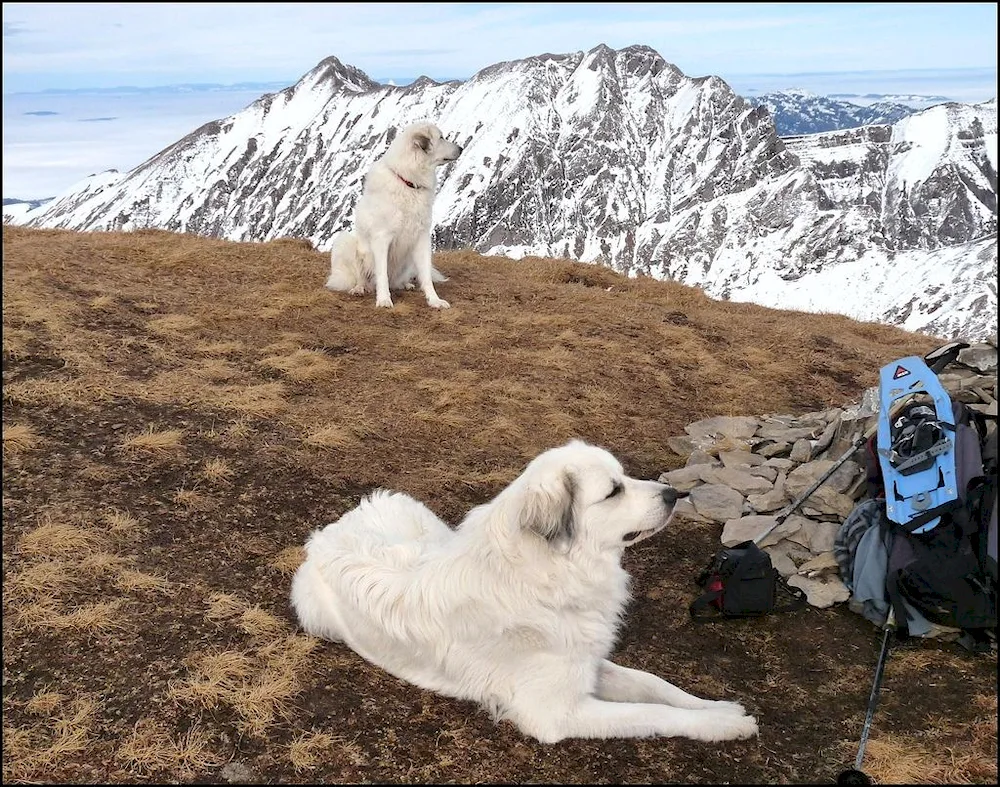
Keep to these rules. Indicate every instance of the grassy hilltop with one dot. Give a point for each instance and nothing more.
(179, 413)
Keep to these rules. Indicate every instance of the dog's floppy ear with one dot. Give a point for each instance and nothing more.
(423, 142)
(547, 509)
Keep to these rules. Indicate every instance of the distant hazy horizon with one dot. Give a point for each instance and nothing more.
(56, 137)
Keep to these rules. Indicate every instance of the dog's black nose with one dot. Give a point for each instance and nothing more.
(670, 495)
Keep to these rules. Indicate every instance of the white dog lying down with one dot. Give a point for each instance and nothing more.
(391, 242)
(516, 609)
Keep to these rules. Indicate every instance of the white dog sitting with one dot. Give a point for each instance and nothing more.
(391, 242)
(516, 609)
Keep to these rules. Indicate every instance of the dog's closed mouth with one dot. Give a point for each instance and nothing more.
(634, 536)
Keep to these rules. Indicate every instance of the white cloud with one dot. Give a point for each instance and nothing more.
(158, 43)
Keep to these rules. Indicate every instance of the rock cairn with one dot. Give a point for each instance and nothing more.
(741, 471)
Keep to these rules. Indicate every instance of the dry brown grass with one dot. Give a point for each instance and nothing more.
(223, 606)
(288, 559)
(63, 731)
(151, 748)
(131, 581)
(943, 753)
(331, 436)
(302, 365)
(57, 538)
(93, 618)
(258, 685)
(183, 412)
(122, 524)
(310, 749)
(259, 622)
(217, 470)
(153, 441)
(172, 324)
(17, 438)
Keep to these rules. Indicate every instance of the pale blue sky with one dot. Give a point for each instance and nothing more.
(75, 45)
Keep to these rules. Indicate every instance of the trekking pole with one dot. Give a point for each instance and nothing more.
(938, 358)
(792, 507)
(855, 775)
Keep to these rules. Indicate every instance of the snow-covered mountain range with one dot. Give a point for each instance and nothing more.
(610, 156)
(798, 112)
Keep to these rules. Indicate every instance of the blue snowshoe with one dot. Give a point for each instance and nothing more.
(916, 445)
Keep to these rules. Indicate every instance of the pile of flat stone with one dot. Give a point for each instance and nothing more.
(741, 471)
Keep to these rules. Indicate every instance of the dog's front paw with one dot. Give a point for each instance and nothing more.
(728, 727)
(383, 301)
(438, 303)
(741, 727)
(723, 706)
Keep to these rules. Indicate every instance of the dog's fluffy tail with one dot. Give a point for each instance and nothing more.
(346, 270)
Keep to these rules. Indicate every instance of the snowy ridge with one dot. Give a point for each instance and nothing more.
(609, 156)
(801, 112)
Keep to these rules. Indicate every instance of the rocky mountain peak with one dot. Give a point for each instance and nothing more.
(332, 74)
(613, 157)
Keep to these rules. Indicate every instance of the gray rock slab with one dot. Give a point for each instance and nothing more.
(684, 508)
(749, 528)
(802, 476)
(716, 502)
(786, 434)
(820, 563)
(741, 458)
(822, 592)
(685, 479)
(770, 473)
(738, 427)
(781, 561)
(740, 480)
(780, 448)
(801, 451)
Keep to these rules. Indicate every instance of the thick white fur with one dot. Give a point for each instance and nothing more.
(391, 242)
(517, 609)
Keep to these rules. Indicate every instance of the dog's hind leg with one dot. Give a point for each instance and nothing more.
(347, 274)
(425, 272)
(622, 684)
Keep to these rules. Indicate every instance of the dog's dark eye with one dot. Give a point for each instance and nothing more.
(616, 489)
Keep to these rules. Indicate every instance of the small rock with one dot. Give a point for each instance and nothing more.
(804, 475)
(801, 451)
(819, 563)
(740, 480)
(769, 473)
(685, 479)
(982, 357)
(738, 427)
(781, 561)
(699, 457)
(750, 528)
(716, 502)
(237, 772)
(739, 459)
(823, 592)
(685, 509)
(771, 500)
(779, 448)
